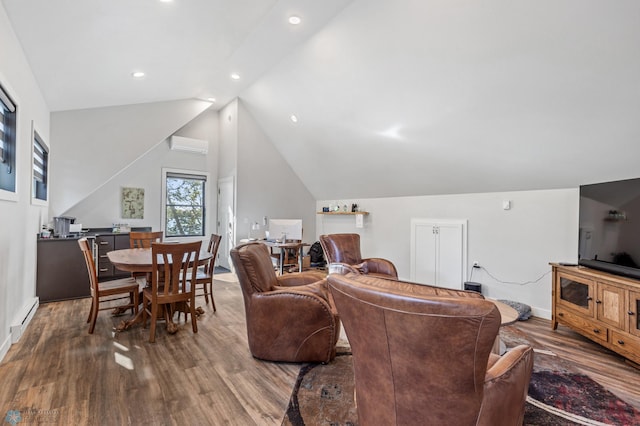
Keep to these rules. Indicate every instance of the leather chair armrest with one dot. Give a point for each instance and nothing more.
(342, 269)
(309, 318)
(301, 278)
(316, 288)
(376, 265)
(506, 386)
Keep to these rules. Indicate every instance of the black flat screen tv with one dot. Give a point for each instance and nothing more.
(609, 235)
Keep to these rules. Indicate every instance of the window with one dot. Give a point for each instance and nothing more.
(7, 142)
(40, 168)
(184, 204)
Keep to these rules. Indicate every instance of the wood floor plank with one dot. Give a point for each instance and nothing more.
(58, 370)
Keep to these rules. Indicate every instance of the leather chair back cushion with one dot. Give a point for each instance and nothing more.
(254, 262)
(343, 248)
(443, 370)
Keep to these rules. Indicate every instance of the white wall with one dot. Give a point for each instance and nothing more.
(514, 246)
(95, 144)
(267, 185)
(102, 208)
(20, 219)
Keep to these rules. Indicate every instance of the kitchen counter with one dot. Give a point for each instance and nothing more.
(61, 269)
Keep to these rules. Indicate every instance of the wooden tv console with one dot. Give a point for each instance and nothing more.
(601, 306)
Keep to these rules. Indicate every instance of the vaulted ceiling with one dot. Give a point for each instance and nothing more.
(403, 97)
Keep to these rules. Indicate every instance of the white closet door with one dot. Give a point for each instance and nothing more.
(450, 262)
(438, 252)
(423, 269)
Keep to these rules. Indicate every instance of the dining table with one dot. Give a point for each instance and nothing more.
(289, 245)
(141, 260)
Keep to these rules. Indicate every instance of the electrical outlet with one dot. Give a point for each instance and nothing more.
(476, 264)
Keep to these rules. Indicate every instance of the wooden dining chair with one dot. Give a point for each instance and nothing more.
(142, 239)
(204, 275)
(174, 269)
(139, 239)
(106, 292)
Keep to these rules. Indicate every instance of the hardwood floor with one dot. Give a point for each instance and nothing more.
(58, 373)
(58, 370)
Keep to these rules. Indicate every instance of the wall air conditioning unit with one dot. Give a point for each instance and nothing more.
(196, 146)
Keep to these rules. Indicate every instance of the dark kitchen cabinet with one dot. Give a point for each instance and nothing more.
(61, 272)
(105, 244)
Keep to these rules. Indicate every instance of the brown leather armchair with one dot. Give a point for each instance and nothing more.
(422, 355)
(289, 318)
(343, 256)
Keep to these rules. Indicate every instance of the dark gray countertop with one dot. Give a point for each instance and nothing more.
(96, 232)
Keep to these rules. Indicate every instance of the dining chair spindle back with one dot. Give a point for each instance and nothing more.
(174, 269)
(107, 291)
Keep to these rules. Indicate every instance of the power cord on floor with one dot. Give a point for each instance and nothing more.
(506, 282)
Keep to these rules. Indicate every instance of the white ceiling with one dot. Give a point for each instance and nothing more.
(403, 97)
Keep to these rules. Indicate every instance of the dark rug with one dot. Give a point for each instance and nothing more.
(558, 394)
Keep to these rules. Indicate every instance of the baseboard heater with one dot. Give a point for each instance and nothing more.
(23, 318)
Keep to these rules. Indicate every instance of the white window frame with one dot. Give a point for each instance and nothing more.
(207, 203)
(34, 131)
(4, 194)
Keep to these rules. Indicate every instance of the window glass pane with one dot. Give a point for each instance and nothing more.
(40, 165)
(7, 142)
(185, 206)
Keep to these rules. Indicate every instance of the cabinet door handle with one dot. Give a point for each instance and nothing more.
(598, 301)
(103, 255)
(589, 298)
(621, 342)
(631, 313)
(561, 314)
(597, 331)
(104, 270)
(104, 243)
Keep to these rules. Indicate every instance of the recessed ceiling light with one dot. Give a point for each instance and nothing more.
(294, 118)
(235, 76)
(294, 20)
(166, 1)
(137, 74)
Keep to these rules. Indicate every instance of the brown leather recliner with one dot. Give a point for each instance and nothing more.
(343, 256)
(289, 318)
(422, 355)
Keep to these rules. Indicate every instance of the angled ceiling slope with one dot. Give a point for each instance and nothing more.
(99, 143)
(424, 97)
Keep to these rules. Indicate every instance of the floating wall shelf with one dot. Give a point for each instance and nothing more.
(344, 213)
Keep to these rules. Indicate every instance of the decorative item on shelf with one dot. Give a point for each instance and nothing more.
(615, 215)
(325, 209)
(344, 208)
(354, 208)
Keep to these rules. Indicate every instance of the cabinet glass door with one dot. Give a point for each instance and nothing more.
(575, 293)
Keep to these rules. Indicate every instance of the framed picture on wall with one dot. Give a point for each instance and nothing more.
(133, 203)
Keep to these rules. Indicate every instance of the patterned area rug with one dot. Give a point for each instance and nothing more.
(558, 395)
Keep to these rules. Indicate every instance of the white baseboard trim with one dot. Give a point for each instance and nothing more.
(4, 348)
(23, 318)
(541, 313)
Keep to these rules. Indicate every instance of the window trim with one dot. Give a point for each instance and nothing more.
(6, 195)
(36, 135)
(207, 202)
